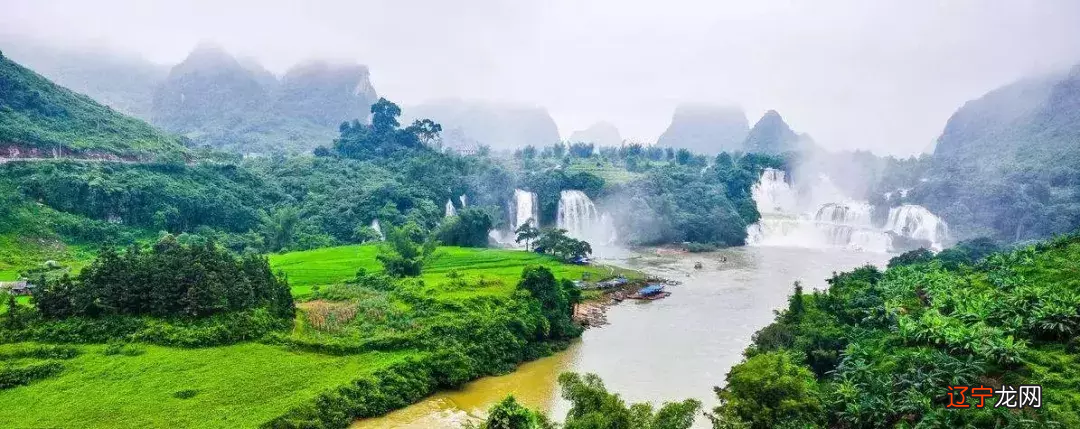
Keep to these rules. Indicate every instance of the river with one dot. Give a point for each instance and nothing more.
(670, 349)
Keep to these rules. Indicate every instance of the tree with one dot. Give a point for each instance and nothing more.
(401, 255)
(508, 414)
(425, 130)
(554, 241)
(526, 232)
(554, 302)
(279, 228)
(767, 390)
(593, 407)
(468, 229)
(384, 114)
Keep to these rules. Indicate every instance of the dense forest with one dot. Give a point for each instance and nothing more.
(882, 348)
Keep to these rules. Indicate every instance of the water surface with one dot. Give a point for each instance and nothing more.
(670, 349)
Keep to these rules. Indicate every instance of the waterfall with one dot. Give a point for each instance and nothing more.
(579, 217)
(917, 223)
(375, 225)
(450, 210)
(525, 209)
(839, 223)
(772, 193)
(463, 201)
(833, 220)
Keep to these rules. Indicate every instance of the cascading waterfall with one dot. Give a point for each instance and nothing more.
(773, 194)
(450, 210)
(845, 224)
(579, 217)
(464, 201)
(525, 209)
(917, 223)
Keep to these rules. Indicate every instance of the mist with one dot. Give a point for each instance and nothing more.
(880, 76)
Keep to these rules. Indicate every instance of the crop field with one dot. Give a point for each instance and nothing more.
(336, 264)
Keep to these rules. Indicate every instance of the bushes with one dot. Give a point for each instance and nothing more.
(211, 331)
(46, 351)
(12, 375)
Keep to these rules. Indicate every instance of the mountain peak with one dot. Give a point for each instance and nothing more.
(771, 135)
(706, 128)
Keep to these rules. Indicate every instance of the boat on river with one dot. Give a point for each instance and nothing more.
(650, 292)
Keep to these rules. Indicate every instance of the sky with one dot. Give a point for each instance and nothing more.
(879, 75)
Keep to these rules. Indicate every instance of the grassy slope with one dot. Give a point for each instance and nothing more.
(39, 113)
(337, 264)
(610, 173)
(238, 386)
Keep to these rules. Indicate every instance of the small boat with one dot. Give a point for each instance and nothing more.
(650, 292)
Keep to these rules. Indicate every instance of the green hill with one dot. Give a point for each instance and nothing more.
(38, 117)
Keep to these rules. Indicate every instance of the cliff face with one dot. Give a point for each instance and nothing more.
(600, 134)
(771, 135)
(237, 105)
(706, 129)
(325, 93)
(1034, 120)
(499, 126)
(209, 87)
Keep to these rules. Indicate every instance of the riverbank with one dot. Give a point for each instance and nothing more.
(672, 348)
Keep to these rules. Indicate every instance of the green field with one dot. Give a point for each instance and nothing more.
(236, 386)
(611, 173)
(247, 384)
(336, 264)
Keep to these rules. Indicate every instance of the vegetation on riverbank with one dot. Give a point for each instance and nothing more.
(881, 348)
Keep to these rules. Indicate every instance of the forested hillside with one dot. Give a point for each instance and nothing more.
(1008, 164)
(882, 348)
(39, 118)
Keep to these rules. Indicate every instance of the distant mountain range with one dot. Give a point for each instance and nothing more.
(710, 129)
(212, 97)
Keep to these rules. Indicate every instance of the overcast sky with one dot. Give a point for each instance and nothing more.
(879, 75)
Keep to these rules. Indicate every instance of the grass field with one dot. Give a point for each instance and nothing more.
(244, 385)
(236, 386)
(336, 264)
(610, 173)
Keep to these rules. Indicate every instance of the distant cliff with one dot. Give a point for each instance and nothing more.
(600, 133)
(497, 125)
(706, 129)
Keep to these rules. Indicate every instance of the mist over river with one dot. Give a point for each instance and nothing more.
(671, 349)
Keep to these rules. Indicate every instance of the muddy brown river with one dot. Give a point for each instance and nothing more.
(674, 348)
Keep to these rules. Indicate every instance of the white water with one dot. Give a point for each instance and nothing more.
(463, 200)
(772, 194)
(918, 223)
(378, 228)
(524, 210)
(828, 219)
(450, 210)
(579, 217)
